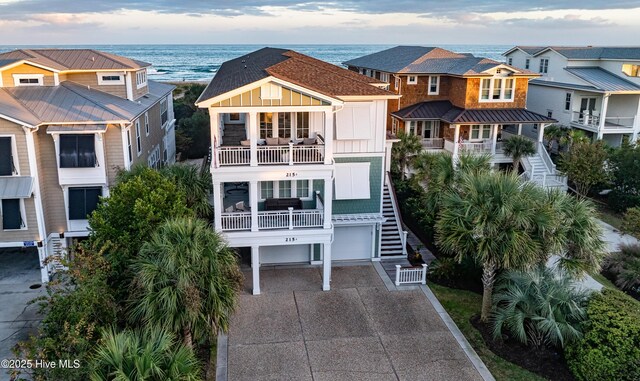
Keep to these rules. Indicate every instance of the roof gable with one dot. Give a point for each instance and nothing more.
(280, 95)
(71, 59)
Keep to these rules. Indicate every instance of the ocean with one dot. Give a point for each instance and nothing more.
(176, 63)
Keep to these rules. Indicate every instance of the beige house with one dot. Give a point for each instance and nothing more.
(69, 119)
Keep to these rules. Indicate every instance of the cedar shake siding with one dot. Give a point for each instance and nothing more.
(52, 196)
(8, 80)
(114, 154)
(91, 79)
(473, 93)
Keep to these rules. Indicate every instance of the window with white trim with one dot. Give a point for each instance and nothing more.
(497, 89)
(83, 201)
(285, 189)
(77, 151)
(384, 77)
(153, 161)
(141, 79)
(106, 79)
(129, 146)
(266, 190)
(527, 63)
(434, 84)
(567, 102)
(544, 65)
(7, 165)
(266, 125)
(138, 138)
(164, 112)
(509, 61)
(480, 132)
(302, 188)
(284, 125)
(397, 87)
(302, 125)
(13, 214)
(412, 80)
(28, 80)
(146, 123)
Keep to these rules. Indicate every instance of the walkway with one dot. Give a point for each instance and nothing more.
(357, 331)
(613, 237)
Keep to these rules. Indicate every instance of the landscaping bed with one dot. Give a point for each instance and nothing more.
(546, 362)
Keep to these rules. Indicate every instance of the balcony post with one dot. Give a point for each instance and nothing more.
(520, 129)
(603, 115)
(328, 202)
(326, 267)
(217, 205)
(253, 136)
(494, 141)
(456, 144)
(255, 268)
(290, 218)
(253, 203)
(328, 137)
(290, 153)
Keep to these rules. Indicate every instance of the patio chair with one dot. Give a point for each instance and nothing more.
(240, 206)
(230, 209)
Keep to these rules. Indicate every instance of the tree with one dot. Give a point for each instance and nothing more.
(537, 307)
(195, 184)
(585, 165)
(186, 281)
(624, 267)
(564, 137)
(493, 218)
(404, 151)
(140, 201)
(631, 222)
(146, 355)
(518, 147)
(624, 164)
(197, 128)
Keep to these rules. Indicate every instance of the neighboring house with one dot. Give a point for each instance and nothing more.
(299, 158)
(595, 89)
(69, 119)
(457, 102)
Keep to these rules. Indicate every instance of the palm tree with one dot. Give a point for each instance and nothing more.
(404, 151)
(148, 355)
(196, 186)
(538, 307)
(518, 147)
(187, 280)
(493, 217)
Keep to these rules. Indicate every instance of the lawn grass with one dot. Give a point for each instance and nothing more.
(461, 306)
(603, 281)
(609, 216)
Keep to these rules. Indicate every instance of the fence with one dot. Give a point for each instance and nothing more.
(406, 275)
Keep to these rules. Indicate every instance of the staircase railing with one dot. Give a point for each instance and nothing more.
(546, 159)
(397, 214)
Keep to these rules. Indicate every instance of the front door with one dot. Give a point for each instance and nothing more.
(587, 104)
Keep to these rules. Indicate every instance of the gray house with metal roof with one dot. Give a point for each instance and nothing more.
(69, 120)
(592, 88)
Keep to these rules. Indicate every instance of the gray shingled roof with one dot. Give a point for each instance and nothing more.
(73, 103)
(588, 52)
(72, 59)
(446, 112)
(602, 79)
(16, 186)
(242, 71)
(427, 60)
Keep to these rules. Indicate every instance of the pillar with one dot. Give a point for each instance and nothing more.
(603, 115)
(541, 132)
(253, 137)
(494, 141)
(328, 202)
(328, 137)
(255, 268)
(218, 206)
(520, 129)
(456, 144)
(326, 267)
(253, 203)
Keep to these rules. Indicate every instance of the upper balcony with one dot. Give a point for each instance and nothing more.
(273, 151)
(619, 110)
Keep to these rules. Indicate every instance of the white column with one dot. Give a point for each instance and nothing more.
(495, 139)
(255, 268)
(388, 148)
(253, 136)
(216, 140)
(603, 115)
(520, 129)
(217, 205)
(253, 203)
(636, 124)
(328, 137)
(328, 202)
(456, 138)
(326, 267)
(541, 132)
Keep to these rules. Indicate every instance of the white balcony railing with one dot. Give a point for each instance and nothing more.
(271, 155)
(277, 219)
(433, 143)
(408, 275)
(585, 118)
(619, 122)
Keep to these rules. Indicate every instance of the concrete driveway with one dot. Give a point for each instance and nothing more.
(357, 331)
(19, 269)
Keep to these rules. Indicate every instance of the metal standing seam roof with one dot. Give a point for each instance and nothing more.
(16, 186)
(586, 52)
(563, 85)
(602, 79)
(445, 111)
(72, 59)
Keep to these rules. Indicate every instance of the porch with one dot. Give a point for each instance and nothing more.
(604, 114)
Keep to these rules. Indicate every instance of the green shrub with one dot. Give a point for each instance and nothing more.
(620, 201)
(610, 347)
(624, 267)
(631, 222)
(448, 271)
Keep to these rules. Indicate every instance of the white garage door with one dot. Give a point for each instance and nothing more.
(285, 254)
(352, 242)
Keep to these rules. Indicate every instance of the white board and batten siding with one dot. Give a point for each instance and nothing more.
(360, 127)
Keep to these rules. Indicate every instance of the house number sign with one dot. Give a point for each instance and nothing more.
(292, 174)
(290, 239)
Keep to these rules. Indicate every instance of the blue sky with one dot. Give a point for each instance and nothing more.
(588, 22)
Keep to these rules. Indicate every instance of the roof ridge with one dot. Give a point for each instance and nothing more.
(112, 57)
(65, 85)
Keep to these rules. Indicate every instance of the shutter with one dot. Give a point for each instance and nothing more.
(68, 151)
(6, 160)
(11, 214)
(86, 151)
(92, 197)
(77, 204)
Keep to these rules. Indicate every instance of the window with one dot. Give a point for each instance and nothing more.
(284, 189)
(567, 102)
(164, 112)
(28, 79)
(284, 124)
(429, 129)
(480, 132)
(138, 140)
(141, 79)
(412, 80)
(411, 127)
(153, 161)
(302, 188)
(631, 70)
(6, 157)
(384, 77)
(434, 82)
(110, 79)
(146, 123)
(77, 151)
(302, 125)
(397, 87)
(12, 214)
(266, 190)
(549, 114)
(527, 63)
(266, 125)
(497, 89)
(129, 146)
(83, 201)
(510, 61)
(544, 65)
(270, 91)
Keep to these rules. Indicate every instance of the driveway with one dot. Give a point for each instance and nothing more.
(19, 269)
(357, 331)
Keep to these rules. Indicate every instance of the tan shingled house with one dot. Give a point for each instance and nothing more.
(69, 119)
